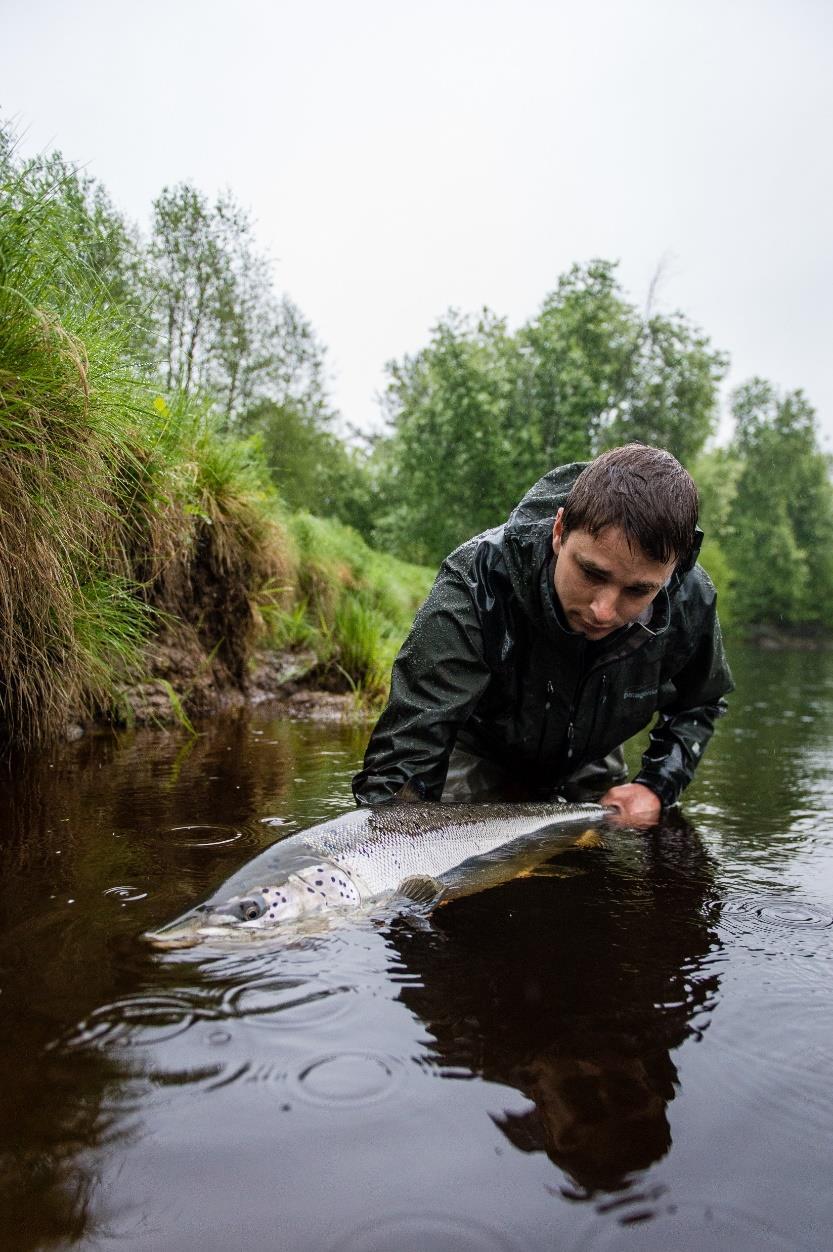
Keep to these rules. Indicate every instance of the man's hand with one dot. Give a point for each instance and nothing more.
(635, 805)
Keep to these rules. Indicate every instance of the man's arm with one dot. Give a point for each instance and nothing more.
(438, 678)
(685, 726)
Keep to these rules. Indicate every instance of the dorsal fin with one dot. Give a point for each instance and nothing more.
(411, 793)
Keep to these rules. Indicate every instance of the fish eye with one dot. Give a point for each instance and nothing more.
(251, 908)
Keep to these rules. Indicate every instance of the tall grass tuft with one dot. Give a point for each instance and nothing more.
(120, 511)
(62, 387)
(129, 522)
(211, 549)
(359, 634)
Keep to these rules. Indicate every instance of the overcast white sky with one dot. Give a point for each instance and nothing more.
(402, 157)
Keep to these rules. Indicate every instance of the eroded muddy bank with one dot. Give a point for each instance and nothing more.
(187, 683)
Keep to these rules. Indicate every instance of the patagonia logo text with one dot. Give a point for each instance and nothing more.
(641, 695)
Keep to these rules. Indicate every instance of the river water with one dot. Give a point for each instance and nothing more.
(634, 1051)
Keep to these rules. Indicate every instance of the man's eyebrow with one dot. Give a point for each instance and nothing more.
(591, 567)
(643, 588)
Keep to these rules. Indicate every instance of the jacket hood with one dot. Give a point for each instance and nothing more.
(527, 545)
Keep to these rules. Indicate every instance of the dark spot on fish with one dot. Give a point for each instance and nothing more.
(310, 890)
(319, 882)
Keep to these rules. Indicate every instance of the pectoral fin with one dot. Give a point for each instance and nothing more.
(590, 839)
(421, 889)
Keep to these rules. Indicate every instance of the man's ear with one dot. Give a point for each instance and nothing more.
(557, 530)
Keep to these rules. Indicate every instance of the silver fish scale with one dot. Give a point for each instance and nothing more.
(382, 846)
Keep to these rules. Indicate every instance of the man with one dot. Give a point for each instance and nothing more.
(547, 642)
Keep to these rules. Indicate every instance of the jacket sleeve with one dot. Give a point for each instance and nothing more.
(685, 725)
(438, 678)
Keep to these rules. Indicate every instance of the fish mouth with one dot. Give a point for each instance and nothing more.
(186, 931)
(204, 926)
(167, 943)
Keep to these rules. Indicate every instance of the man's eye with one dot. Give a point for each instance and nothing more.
(592, 576)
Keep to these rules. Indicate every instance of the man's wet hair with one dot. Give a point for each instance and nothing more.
(645, 492)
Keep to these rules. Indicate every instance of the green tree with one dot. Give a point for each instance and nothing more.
(780, 527)
(188, 270)
(479, 414)
(313, 467)
(716, 473)
(575, 362)
(452, 461)
(220, 326)
(671, 392)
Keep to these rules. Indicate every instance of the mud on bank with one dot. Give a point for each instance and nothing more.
(189, 685)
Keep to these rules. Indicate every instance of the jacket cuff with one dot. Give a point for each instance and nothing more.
(663, 787)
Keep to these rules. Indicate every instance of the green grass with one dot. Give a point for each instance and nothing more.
(353, 605)
(64, 613)
(119, 510)
(127, 515)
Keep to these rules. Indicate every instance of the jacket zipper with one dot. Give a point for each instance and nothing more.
(574, 703)
(599, 702)
(579, 691)
(545, 718)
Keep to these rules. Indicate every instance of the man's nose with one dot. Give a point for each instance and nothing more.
(603, 605)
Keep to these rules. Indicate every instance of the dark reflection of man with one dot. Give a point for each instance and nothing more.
(576, 992)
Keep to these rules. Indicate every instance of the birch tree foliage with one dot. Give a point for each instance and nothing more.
(220, 326)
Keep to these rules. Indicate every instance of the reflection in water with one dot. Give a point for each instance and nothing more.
(577, 998)
(55, 1124)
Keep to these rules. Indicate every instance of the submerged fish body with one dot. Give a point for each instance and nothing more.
(422, 852)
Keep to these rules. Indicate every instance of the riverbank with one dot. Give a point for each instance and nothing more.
(317, 644)
(775, 639)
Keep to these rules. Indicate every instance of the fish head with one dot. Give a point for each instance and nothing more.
(261, 910)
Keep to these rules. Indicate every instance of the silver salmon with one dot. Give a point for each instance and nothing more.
(423, 853)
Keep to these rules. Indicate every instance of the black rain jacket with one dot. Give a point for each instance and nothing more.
(489, 664)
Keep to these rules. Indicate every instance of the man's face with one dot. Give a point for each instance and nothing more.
(602, 583)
